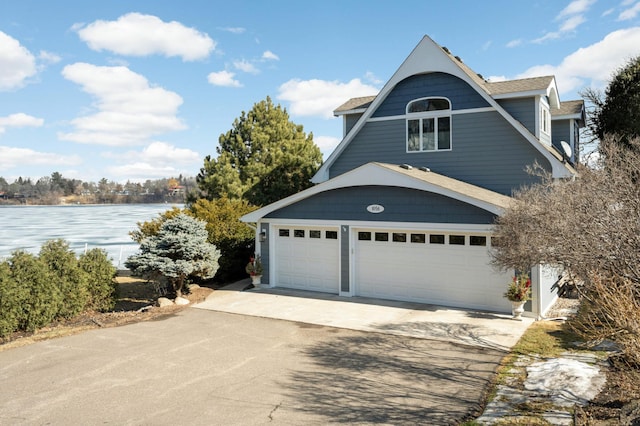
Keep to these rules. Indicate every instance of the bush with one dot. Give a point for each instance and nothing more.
(10, 301)
(41, 298)
(100, 274)
(67, 275)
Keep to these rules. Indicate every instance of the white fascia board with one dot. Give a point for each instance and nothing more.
(428, 57)
(517, 95)
(408, 226)
(367, 175)
(351, 111)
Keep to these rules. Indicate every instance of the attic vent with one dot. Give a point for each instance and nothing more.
(425, 169)
(445, 49)
(458, 58)
(406, 167)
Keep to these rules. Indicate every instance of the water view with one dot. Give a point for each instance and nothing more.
(83, 227)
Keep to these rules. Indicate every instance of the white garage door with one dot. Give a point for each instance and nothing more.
(307, 258)
(428, 267)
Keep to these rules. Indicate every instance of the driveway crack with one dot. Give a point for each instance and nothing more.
(273, 411)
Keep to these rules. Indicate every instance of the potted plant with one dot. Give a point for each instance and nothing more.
(518, 292)
(254, 269)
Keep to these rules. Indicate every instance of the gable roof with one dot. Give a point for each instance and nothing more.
(427, 57)
(354, 105)
(401, 176)
(569, 109)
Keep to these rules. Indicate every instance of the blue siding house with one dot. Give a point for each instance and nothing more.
(404, 207)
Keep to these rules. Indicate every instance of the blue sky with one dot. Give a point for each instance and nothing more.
(136, 90)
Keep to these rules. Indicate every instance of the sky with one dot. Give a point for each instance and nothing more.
(130, 90)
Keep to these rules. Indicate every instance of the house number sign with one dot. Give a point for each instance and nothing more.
(375, 208)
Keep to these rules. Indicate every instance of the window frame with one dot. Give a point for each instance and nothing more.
(434, 115)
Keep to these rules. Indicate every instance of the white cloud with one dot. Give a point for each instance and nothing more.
(141, 171)
(269, 55)
(372, 78)
(486, 45)
(496, 78)
(165, 154)
(571, 16)
(223, 78)
(17, 64)
(129, 109)
(593, 65)
(11, 157)
(48, 57)
(245, 66)
(321, 97)
(19, 120)
(234, 30)
(575, 7)
(514, 43)
(326, 144)
(630, 13)
(135, 34)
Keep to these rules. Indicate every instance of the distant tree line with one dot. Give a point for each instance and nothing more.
(56, 189)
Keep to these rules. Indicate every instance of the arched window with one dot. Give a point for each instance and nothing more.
(428, 125)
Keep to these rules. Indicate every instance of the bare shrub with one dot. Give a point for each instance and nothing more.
(591, 226)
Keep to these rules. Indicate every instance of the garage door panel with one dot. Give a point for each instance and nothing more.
(453, 275)
(306, 263)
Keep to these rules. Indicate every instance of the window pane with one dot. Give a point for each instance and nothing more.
(298, 233)
(477, 240)
(382, 236)
(444, 133)
(417, 238)
(428, 134)
(331, 235)
(436, 239)
(314, 234)
(413, 135)
(364, 236)
(399, 237)
(419, 106)
(283, 232)
(438, 104)
(456, 240)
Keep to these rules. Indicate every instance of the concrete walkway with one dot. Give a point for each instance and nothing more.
(476, 328)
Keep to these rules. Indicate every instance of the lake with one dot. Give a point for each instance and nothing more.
(82, 226)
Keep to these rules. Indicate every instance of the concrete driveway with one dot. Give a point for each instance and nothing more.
(203, 367)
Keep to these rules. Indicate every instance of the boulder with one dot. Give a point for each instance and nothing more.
(181, 301)
(163, 301)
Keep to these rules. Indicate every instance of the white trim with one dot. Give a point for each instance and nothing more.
(361, 224)
(453, 112)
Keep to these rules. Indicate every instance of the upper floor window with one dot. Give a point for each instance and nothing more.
(545, 120)
(429, 125)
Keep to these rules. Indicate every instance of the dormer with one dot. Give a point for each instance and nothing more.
(351, 111)
(530, 101)
(566, 122)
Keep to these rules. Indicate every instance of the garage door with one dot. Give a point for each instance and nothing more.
(307, 258)
(438, 268)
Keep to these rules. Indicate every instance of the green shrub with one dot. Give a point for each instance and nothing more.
(101, 283)
(41, 299)
(10, 301)
(67, 275)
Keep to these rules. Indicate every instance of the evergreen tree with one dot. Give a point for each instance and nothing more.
(178, 250)
(263, 158)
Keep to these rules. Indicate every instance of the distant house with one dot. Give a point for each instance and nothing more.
(404, 207)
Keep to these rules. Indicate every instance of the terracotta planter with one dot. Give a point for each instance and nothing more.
(517, 309)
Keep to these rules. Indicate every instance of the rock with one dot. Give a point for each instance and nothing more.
(630, 413)
(163, 301)
(193, 286)
(181, 301)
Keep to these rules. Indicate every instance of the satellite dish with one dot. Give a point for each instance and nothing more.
(566, 148)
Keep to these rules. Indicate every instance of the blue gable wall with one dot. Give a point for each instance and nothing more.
(486, 151)
(461, 95)
(523, 110)
(400, 205)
